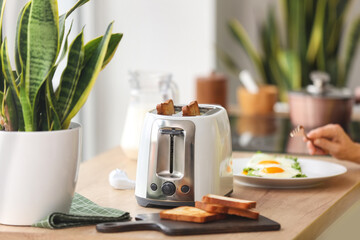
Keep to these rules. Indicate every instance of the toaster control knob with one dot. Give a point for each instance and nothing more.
(153, 186)
(168, 188)
(185, 188)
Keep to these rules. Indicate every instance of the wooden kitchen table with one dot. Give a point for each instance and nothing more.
(302, 213)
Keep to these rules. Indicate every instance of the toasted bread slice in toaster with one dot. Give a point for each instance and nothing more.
(229, 202)
(166, 108)
(190, 214)
(217, 208)
(191, 110)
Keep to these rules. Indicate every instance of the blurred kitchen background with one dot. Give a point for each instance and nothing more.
(185, 38)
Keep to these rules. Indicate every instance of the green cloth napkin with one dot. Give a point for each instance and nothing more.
(82, 212)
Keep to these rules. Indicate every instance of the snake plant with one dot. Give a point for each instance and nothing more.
(313, 37)
(29, 102)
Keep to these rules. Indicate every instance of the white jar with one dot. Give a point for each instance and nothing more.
(147, 89)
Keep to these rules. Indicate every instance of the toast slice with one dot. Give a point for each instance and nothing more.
(211, 207)
(190, 214)
(229, 202)
(244, 213)
(166, 108)
(217, 208)
(191, 110)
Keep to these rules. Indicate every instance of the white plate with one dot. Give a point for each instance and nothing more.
(317, 172)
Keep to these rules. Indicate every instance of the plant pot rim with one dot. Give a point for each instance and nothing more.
(73, 127)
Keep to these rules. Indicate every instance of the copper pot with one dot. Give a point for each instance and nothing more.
(320, 104)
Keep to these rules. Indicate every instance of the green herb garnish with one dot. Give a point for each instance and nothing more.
(250, 172)
(296, 166)
(291, 157)
(299, 175)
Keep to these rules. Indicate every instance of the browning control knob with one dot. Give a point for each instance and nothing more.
(168, 188)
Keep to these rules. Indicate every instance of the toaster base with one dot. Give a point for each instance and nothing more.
(144, 202)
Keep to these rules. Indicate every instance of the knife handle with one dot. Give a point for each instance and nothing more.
(111, 227)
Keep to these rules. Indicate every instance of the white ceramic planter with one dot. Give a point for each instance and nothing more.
(38, 173)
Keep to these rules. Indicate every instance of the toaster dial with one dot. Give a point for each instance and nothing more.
(153, 186)
(168, 188)
(185, 188)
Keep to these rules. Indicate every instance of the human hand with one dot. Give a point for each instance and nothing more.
(331, 139)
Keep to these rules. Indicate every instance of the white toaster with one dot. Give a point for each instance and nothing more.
(182, 158)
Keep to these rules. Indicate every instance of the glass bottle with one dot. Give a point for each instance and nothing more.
(147, 89)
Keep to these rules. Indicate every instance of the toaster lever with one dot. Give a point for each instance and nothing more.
(172, 131)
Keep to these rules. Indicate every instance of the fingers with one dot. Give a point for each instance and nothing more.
(326, 145)
(329, 131)
(313, 150)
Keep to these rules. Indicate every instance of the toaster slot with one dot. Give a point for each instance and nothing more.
(170, 176)
(170, 160)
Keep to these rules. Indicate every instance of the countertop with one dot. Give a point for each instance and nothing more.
(302, 213)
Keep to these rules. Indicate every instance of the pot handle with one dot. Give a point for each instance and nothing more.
(357, 95)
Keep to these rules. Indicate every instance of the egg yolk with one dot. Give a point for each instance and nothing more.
(269, 162)
(273, 170)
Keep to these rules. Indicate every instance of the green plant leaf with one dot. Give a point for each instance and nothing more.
(62, 20)
(42, 112)
(352, 42)
(64, 16)
(88, 76)
(316, 38)
(70, 76)
(1, 106)
(270, 35)
(6, 69)
(285, 12)
(241, 36)
(2, 8)
(21, 38)
(290, 67)
(77, 4)
(92, 45)
(10, 112)
(111, 48)
(65, 47)
(55, 123)
(310, 8)
(42, 45)
(342, 7)
(21, 124)
(281, 83)
(10, 76)
(334, 25)
(26, 109)
(228, 61)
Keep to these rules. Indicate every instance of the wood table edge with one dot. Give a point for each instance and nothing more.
(320, 224)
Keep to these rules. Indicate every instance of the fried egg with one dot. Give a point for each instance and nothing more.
(264, 165)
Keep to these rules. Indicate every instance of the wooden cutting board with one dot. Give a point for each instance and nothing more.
(153, 222)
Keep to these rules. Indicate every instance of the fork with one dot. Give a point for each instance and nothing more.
(299, 131)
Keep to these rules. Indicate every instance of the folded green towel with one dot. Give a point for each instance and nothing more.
(83, 212)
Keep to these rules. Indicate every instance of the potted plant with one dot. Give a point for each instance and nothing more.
(39, 146)
(313, 37)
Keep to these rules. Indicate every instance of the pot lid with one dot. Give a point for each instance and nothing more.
(321, 87)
